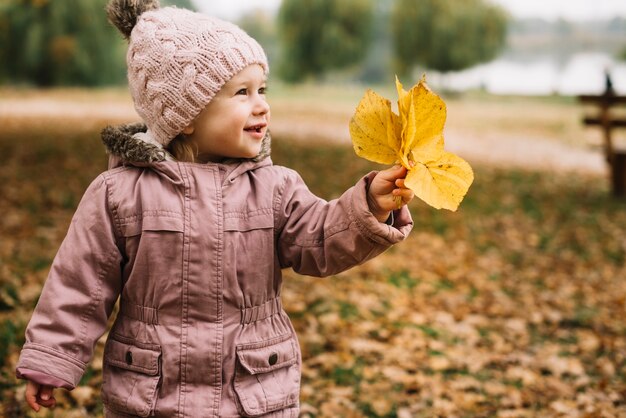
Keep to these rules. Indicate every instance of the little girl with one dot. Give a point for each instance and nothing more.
(190, 228)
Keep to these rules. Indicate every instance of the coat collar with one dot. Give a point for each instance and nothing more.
(127, 146)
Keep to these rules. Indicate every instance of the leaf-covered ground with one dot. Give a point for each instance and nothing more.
(514, 306)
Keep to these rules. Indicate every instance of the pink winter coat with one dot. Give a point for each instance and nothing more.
(194, 252)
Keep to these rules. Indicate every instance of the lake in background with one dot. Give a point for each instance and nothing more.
(580, 73)
(552, 57)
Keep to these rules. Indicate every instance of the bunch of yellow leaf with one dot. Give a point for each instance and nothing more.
(413, 139)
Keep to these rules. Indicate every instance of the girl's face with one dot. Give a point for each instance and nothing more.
(234, 123)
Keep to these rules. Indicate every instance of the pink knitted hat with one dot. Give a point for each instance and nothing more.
(177, 61)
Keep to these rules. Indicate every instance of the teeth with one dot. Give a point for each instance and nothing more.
(257, 129)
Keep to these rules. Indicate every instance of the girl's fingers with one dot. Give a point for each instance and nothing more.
(50, 403)
(31, 395)
(393, 173)
(402, 191)
(406, 194)
(46, 392)
(37, 395)
(46, 397)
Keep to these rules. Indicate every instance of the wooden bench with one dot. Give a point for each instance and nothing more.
(608, 122)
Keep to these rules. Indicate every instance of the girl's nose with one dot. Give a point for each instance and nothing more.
(261, 107)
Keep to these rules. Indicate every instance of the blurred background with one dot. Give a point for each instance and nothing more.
(513, 306)
(500, 46)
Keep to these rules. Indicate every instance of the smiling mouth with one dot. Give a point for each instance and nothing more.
(255, 128)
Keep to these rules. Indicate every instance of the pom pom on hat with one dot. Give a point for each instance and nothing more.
(123, 14)
(177, 61)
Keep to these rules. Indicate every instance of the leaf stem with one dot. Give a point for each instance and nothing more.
(398, 200)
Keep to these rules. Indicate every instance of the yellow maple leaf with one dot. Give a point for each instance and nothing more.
(414, 138)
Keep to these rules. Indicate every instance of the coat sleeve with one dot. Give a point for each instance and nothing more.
(320, 238)
(78, 296)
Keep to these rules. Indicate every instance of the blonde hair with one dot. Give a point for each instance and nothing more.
(183, 149)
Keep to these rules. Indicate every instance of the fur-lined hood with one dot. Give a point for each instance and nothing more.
(128, 144)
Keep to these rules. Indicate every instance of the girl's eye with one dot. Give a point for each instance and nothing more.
(263, 90)
(242, 91)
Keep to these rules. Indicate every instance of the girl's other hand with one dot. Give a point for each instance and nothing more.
(39, 395)
(386, 191)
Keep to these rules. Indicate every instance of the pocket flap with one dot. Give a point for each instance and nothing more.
(259, 219)
(130, 357)
(269, 355)
(137, 225)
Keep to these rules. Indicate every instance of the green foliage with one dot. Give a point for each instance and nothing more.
(66, 42)
(319, 35)
(262, 27)
(446, 35)
(185, 4)
(376, 68)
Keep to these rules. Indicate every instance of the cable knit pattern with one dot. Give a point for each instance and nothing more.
(178, 60)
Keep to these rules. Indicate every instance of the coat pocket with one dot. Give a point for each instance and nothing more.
(267, 377)
(130, 377)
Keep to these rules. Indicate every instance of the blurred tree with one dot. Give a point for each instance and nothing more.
(319, 35)
(186, 4)
(376, 68)
(446, 35)
(69, 42)
(262, 26)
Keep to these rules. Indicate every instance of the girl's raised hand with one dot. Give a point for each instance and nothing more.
(388, 192)
(39, 395)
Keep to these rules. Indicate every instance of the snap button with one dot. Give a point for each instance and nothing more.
(129, 358)
(273, 359)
